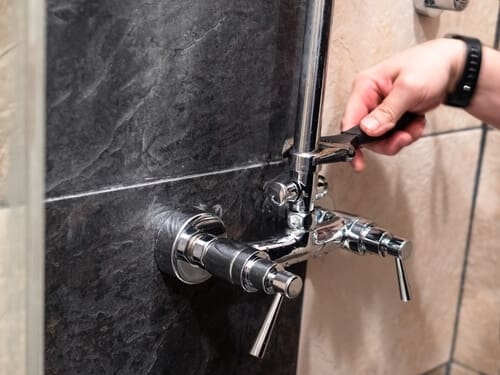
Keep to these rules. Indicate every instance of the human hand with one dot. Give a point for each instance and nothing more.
(416, 80)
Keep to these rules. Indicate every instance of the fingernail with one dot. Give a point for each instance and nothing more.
(370, 123)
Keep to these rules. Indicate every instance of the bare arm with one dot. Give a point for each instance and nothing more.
(485, 104)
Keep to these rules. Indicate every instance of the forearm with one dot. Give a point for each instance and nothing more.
(485, 104)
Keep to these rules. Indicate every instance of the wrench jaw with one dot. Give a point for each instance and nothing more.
(333, 153)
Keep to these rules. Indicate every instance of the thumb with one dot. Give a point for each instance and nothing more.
(387, 113)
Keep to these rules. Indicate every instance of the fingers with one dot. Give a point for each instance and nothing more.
(392, 146)
(401, 138)
(365, 96)
(358, 163)
(377, 101)
(399, 100)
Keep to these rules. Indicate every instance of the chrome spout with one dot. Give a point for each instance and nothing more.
(286, 249)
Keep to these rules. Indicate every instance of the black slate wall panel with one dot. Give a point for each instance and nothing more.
(139, 94)
(148, 89)
(110, 311)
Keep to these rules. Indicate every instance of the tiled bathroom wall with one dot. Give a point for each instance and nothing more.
(7, 41)
(11, 353)
(441, 192)
(150, 104)
(477, 345)
(171, 103)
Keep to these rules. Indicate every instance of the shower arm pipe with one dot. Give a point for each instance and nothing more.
(310, 98)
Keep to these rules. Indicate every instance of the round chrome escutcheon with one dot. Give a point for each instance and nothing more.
(200, 222)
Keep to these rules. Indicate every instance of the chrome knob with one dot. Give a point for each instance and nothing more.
(281, 193)
(395, 246)
(284, 282)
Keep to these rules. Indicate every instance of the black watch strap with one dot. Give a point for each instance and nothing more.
(466, 85)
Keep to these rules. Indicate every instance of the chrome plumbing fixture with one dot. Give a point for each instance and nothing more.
(434, 8)
(192, 245)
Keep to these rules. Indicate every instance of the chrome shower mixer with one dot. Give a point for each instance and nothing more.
(193, 246)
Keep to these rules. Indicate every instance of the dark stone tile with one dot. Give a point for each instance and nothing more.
(110, 311)
(147, 89)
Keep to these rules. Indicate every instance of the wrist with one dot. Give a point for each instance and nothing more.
(455, 50)
(465, 87)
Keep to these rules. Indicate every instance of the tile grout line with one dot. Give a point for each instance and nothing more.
(301, 315)
(431, 370)
(460, 364)
(199, 175)
(497, 32)
(162, 181)
(477, 178)
(453, 131)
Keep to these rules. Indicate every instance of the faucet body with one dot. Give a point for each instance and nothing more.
(193, 246)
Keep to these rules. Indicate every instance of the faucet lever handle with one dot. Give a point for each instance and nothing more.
(404, 287)
(263, 337)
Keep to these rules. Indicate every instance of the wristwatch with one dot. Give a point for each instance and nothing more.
(466, 85)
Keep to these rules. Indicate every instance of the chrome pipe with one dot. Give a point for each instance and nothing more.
(310, 98)
(312, 75)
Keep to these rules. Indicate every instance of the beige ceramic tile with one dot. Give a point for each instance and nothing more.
(441, 370)
(478, 342)
(21, 234)
(353, 321)
(366, 32)
(13, 291)
(4, 215)
(7, 47)
(457, 369)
